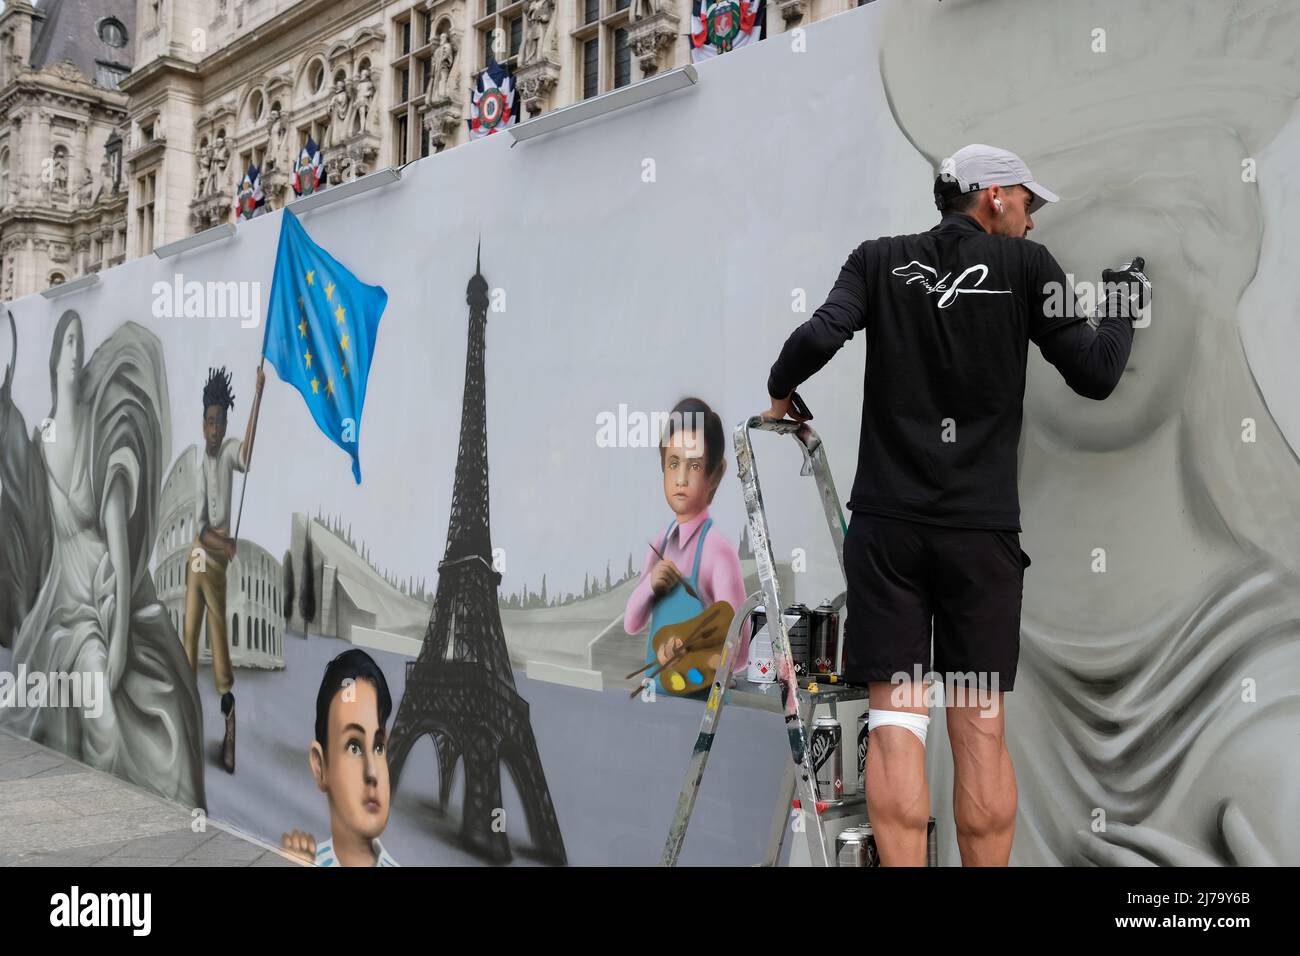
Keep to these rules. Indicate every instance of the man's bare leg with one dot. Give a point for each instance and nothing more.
(898, 800)
(984, 784)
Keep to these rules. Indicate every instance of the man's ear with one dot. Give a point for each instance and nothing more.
(316, 757)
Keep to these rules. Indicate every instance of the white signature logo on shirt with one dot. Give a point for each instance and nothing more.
(929, 279)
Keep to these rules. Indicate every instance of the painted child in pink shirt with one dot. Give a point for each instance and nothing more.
(692, 457)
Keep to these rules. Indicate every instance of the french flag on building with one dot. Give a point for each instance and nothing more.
(494, 102)
(250, 201)
(309, 171)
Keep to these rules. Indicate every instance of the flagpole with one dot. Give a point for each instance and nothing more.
(248, 464)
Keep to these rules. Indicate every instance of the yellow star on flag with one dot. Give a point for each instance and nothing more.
(343, 342)
(329, 292)
(314, 384)
(307, 356)
(302, 327)
(338, 313)
(345, 369)
(310, 277)
(329, 387)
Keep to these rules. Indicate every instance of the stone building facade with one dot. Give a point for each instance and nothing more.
(62, 200)
(218, 85)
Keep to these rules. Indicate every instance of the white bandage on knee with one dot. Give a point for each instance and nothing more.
(918, 724)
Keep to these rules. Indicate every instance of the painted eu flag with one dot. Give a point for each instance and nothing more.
(320, 333)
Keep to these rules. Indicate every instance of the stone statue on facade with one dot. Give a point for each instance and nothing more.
(60, 172)
(365, 95)
(537, 36)
(86, 191)
(220, 160)
(204, 177)
(278, 148)
(444, 60)
(339, 104)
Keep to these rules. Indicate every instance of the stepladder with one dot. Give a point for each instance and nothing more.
(798, 796)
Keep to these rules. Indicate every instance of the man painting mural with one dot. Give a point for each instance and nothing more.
(214, 548)
(933, 547)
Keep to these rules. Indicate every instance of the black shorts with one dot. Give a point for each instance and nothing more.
(900, 573)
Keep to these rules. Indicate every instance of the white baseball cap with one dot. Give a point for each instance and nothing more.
(977, 166)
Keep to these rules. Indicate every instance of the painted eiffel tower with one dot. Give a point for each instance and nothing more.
(460, 689)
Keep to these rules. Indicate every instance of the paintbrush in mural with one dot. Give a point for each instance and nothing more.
(686, 584)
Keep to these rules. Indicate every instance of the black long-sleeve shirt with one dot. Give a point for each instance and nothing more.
(948, 316)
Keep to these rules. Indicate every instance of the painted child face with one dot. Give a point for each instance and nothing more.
(214, 427)
(355, 771)
(686, 483)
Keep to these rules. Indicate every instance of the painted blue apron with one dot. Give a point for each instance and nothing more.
(677, 605)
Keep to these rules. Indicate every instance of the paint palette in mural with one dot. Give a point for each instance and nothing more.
(700, 650)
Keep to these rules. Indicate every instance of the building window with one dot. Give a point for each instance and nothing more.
(502, 34)
(146, 187)
(604, 46)
(622, 59)
(412, 72)
(316, 130)
(590, 68)
(315, 77)
(109, 75)
(56, 278)
(113, 151)
(112, 32)
(516, 36)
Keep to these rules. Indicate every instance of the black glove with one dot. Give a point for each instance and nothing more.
(1126, 291)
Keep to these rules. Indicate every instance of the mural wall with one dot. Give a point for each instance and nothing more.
(542, 307)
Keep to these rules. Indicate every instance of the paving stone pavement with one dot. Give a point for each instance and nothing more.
(55, 811)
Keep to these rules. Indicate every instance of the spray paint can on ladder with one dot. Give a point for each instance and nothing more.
(824, 641)
(828, 760)
(856, 846)
(861, 780)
